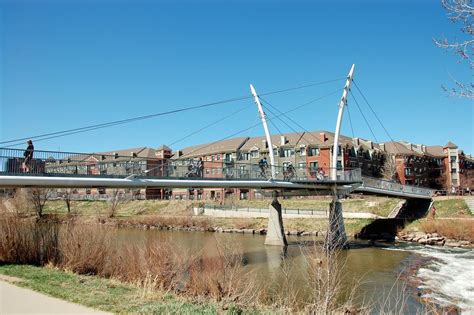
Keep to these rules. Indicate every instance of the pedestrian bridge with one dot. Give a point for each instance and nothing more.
(79, 170)
(86, 170)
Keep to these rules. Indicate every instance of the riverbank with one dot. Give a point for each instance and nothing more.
(152, 268)
(102, 294)
(452, 226)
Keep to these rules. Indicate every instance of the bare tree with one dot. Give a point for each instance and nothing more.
(389, 170)
(460, 11)
(38, 198)
(67, 195)
(115, 200)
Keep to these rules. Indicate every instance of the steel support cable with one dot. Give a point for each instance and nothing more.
(289, 118)
(191, 134)
(365, 119)
(210, 125)
(350, 120)
(376, 116)
(128, 120)
(255, 125)
(273, 123)
(373, 112)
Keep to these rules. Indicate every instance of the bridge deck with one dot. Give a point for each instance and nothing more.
(60, 169)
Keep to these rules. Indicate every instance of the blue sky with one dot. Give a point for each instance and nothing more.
(68, 64)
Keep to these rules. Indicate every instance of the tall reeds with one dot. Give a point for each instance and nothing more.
(158, 264)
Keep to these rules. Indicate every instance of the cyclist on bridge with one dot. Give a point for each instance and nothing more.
(263, 165)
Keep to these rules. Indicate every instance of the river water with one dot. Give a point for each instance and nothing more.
(384, 274)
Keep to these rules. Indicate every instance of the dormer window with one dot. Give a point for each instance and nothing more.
(302, 150)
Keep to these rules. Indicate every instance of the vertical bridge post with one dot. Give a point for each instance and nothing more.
(336, 237)
(275, 231)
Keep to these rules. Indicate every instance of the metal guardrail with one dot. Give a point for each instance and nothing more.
(296, 211)
(395, 187)
(53, 163)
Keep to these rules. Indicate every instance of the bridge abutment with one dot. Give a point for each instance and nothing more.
(336, 237)
(275, 231)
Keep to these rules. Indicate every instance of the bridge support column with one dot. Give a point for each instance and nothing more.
(275, 231)
(336, 237)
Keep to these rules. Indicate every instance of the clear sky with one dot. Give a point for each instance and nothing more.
(67, 64)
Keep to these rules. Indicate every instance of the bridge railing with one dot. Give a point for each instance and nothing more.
(370, 182)
(13, 162)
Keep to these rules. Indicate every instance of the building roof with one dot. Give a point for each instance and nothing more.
(450, 145)
(398, 147)
(290, 140)
(215, 147)
(435, 150)
(163, 148)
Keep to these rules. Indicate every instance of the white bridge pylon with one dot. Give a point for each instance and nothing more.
(263, 117)
(342, 104)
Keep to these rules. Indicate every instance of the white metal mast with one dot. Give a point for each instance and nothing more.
(342, 103)
(263, 117)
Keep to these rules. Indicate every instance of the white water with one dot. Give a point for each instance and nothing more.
(449, 277)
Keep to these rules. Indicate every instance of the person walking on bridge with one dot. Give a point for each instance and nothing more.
(263, 165)
(28, 155)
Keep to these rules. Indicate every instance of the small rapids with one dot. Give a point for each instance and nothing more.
(448, 279)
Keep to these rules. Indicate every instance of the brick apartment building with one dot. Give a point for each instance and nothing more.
(439, 167)
(141, 160)
(308, 152)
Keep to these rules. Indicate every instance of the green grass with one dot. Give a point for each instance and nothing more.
(147, 209)
(103, 294)
(451, 208)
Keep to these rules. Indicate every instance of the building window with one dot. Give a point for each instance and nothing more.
(313, 166)
(352, 152)
(453, 170)
(301, 165)
(453, 158)
(244, 156)
(302, 151)
(254, 154)
(313, 152)
(228, 157)
(339, 165)
(287, 152)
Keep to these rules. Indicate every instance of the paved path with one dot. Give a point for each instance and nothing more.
(470, 203)
(16, 300)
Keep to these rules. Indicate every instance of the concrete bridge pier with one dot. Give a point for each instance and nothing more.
(336, 237)
(275, 231)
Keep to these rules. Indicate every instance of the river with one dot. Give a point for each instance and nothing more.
(385, 274)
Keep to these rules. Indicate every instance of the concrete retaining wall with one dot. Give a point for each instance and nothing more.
(287, 213)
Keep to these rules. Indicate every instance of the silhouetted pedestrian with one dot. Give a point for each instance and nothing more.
(28, 154)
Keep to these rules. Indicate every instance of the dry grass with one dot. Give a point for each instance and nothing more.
(458, 229)
(156, 264)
